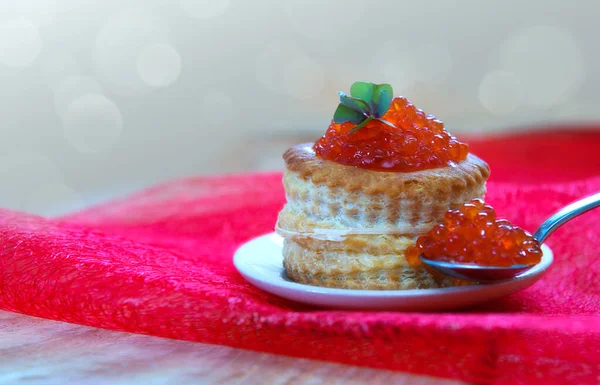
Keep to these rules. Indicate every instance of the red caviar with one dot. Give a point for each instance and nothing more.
(417, 142)
(473, 235)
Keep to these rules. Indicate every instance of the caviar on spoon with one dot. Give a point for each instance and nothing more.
(472, 245)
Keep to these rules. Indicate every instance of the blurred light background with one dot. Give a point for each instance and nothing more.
(100, 98)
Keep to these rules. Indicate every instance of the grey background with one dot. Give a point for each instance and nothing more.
(100, 98)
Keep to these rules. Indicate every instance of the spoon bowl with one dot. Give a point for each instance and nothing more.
(491, 274)
(481, 274)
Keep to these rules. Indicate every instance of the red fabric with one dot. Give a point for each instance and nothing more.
(160, 263)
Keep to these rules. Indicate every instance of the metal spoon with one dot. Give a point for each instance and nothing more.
(489, 274)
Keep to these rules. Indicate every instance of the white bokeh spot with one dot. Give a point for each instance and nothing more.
(204, 9)
(500, 92)
(283, 69)
(92, 123)
(20, 43)
(118, 47)
(71, 89)
(159, 65)
(548, 62)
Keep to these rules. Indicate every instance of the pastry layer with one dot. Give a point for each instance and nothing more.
(356, 270)
(348, 227)
(326, 195)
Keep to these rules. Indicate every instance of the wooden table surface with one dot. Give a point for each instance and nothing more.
(38, 351)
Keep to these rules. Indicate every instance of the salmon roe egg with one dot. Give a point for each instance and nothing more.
(473, 235)
(417, 142)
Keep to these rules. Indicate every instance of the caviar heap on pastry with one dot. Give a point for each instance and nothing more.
(383, 174)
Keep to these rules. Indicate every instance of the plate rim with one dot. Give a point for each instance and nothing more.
(537, 270)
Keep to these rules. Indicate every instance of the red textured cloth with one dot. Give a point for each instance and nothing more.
(160, 263)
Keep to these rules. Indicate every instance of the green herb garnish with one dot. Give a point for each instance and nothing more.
(367, 102)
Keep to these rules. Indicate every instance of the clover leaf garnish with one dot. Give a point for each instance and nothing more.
(367, 102)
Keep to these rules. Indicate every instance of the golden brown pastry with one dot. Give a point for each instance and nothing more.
(348, 227)
(383, 174)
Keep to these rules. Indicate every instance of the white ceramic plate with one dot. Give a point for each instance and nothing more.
(260, 261)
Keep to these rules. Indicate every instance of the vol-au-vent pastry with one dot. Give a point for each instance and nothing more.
(383, 174)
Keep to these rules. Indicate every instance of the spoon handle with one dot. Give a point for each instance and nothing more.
(564, 215)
